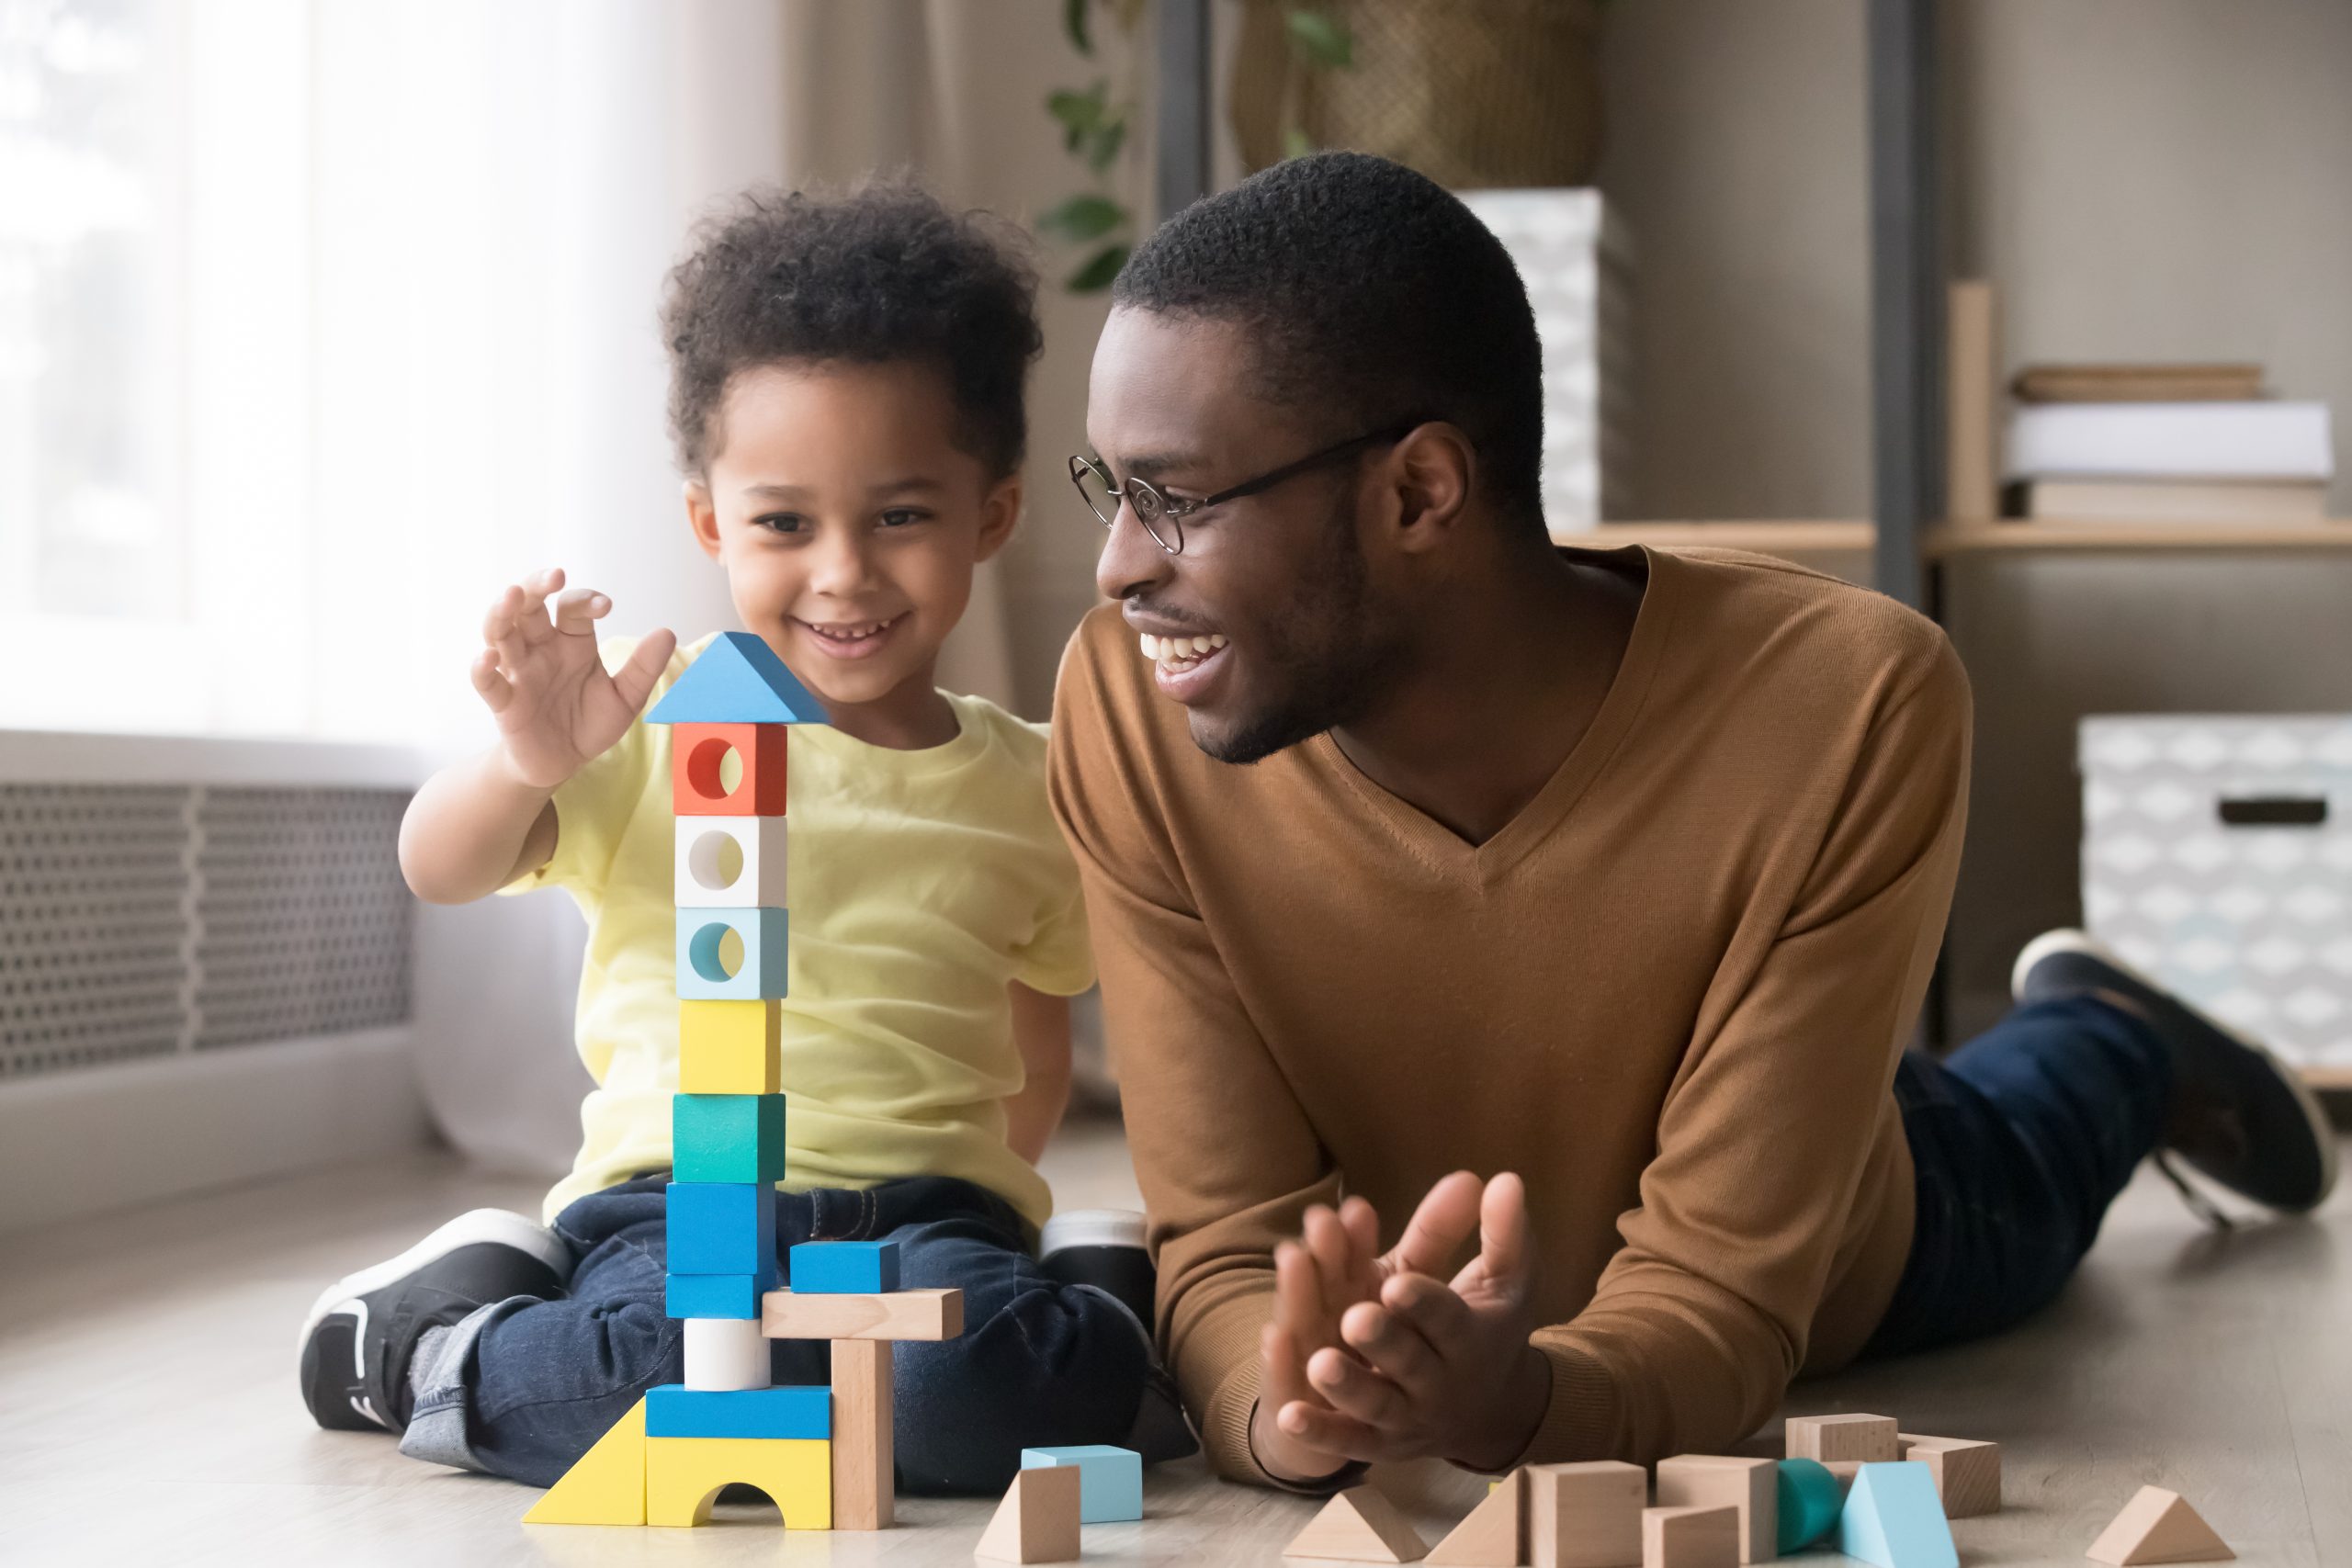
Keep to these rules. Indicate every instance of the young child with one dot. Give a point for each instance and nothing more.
(847, 379)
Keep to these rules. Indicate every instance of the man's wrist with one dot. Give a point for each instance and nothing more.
(1527, 1399)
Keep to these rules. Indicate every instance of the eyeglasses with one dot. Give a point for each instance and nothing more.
(1162, 516)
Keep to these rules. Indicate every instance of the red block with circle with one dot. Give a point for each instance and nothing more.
(698, 753)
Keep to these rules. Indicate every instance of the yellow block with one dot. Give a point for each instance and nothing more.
(683, 1475)
(729, 1047)
(606, 1487)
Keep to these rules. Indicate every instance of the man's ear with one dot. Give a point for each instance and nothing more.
(702, 517)
(1431, 472)
(999, 510)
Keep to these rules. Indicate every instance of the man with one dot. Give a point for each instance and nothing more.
(1416, 847)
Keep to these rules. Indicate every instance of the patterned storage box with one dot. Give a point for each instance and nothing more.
(2217, 855)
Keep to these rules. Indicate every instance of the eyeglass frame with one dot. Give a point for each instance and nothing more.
(1175, 509)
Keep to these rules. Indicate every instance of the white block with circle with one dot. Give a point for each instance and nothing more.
(726, 1353)
(730, 862)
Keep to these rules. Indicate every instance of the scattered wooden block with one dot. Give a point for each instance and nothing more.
(1037, 1521)
(721, 1227)
(893, 1314)
(685, 1475)
(1892, 1518)
(1968, 1474)
(1751, 1486)
(1690, 1538)
(726, 1137)
(699, 755)
(606, 1486)
(730, 1047)
(1494, 1534)
(2158, 1526)
(1586, 1514)
(766, 936)
(864, 1483)
(843, 1267)
(1808, 1501)
(1110, 1486)
(1866, 1439)
(675, 1411)
(734, 862)
(1359, 1525)
(726, 1353)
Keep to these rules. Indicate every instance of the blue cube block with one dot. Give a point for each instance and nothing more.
(714, 1295)
(722, 1227)
(726, 1137)
(674, 1411)
(844, 1268)
(766, 949)
(1109, 1480)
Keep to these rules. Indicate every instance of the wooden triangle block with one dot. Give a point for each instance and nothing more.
(1037, 1521)
(606, 1485)
(2158, 1526)
(1494, 1533)
(1360, 1526)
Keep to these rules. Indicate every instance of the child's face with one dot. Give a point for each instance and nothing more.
(848, 523)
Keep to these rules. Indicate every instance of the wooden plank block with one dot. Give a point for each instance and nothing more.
(844, 1268)
(1868, 1439)
(1037, 1521)
(729, 862)
(767, 938)
(1967, 1473)
(1750, 1485)
(720, 1227)
(892, 1314)
(2158, 1526)
(726, 1137)
(1359, 1525)
(606, 1486)
(673, 1410)
(702, 755)
(683, 1477)
(1586, 1514)
(731, 1047)
(1690, 1538)
(864, 1483)
(726, 1353)
(1492, 1534)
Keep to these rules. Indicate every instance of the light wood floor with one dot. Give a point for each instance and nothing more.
(148, 1412)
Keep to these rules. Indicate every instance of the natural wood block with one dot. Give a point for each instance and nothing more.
(1494, 1534)
(606, 1486)
(1586, 1514)
(2158, 1526)
(892, 1314)
(1710, 1481)
(1358, 1526)
(864, 1485)
(1968, 1474)
(1690, 1538)
(1866, 1439)
(1845, 1469)
(1037, 1521)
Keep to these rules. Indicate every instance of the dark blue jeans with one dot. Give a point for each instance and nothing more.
(2021, 1139)
(523, 1387)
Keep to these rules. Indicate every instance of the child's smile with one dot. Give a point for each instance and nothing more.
(850, 640)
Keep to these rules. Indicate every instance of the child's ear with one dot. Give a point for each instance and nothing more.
(702, 517)
(999, 511)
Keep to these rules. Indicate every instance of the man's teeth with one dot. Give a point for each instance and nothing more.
(1181, 650)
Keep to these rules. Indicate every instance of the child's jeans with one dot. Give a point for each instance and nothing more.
(521, 1388)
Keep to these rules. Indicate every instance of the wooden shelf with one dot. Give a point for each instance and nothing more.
(1768, 538)
(1966, 538)
(2328, 1077)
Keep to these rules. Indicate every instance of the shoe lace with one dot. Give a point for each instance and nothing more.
(2198, 1204)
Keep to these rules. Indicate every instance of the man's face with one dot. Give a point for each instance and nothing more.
(1277, 583)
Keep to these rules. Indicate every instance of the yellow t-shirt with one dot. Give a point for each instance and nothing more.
(919, 883)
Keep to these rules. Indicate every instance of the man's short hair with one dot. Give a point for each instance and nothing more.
(1369, 291)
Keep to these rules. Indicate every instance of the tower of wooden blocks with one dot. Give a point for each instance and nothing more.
(822, 1454)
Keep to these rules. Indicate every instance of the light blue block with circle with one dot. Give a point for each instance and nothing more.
(1110, 1479)
(766, 954)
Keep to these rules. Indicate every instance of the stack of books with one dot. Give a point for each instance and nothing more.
(2164, 444)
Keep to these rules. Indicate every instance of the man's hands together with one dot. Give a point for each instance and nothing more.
(1372, 1356)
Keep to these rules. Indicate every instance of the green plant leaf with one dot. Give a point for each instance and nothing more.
(1321, 37)
(1078, 111)
(1297, 143)
(1098, 271)
(1084, 217)
(1103, 143)
(1074, 24)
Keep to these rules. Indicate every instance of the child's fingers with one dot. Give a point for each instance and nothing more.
(1394, 1347)
(576, 610)
(531, 620)
(645, 661)
(494, 687)
(498, 622)
(1353, 1389)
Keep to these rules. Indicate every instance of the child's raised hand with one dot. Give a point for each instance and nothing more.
(556, 705)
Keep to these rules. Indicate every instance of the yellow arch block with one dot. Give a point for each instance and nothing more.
(682, 1477)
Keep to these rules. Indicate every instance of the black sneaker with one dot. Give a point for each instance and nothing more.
(363, 1330)
(2238, 1115)
(1103, 1248)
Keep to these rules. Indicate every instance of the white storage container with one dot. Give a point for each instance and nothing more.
(2217, 856)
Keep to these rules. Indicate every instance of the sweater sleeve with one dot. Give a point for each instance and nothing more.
(1225, 1157)
(1702, 1318)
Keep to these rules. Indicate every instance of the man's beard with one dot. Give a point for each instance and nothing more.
(1334, 671)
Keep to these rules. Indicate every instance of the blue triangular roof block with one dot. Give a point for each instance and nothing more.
(1894, 1518)
(737, 680)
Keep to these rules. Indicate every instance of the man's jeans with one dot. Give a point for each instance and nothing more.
(522, 1387)
(2021, 1139)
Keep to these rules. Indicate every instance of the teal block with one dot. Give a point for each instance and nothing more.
(1809, 1503)
(765, 974)
(721, 1227)
(713, 1295)
(844, 1268)
(673, 1410)
(1109, 1480)
(726, 1137)
(737, 680)
(1893, 1517)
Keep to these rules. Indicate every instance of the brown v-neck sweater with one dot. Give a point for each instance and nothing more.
(1670, 994)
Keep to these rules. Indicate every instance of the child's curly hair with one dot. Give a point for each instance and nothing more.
(873, 275)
